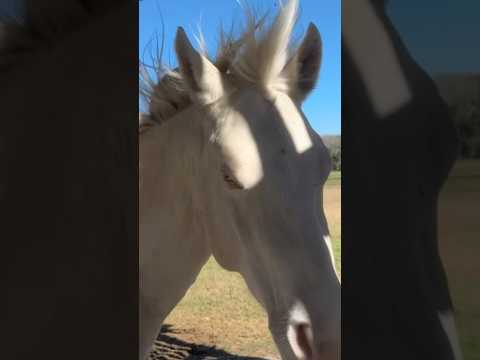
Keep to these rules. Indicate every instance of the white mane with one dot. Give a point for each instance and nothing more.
(257, 57)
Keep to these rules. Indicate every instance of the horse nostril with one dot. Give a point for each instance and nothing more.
(300, 337)
(306, 348)
(303, 337)
(309, 340)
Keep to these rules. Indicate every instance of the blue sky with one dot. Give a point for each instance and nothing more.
(442, 35)
(322, 108)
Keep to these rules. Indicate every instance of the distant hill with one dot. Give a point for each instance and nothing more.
(462, 94)
(457, 88)
(332, 141)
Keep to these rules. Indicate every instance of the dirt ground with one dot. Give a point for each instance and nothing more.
(177, 344)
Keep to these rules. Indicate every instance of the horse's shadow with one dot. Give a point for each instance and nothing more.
(169, 347)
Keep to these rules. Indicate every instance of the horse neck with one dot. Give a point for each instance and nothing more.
(173, 244)
(188, 186)
(176, 170)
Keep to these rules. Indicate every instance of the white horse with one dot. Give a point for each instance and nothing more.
(230, 166)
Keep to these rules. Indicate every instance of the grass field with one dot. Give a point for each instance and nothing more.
(459, 236)
(218, 310)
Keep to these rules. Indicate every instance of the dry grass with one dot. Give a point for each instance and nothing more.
(459, 236)
(219, 310)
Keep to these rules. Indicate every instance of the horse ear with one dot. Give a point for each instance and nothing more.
(304, 67)
(203, 79)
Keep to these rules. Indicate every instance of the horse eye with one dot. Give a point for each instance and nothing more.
(230, 180)
(283, 151)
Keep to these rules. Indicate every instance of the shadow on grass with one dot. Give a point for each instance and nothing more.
(169, 347)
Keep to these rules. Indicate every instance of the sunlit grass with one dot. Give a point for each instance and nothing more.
(220, 311)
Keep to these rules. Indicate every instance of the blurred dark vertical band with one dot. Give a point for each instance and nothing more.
(394, 169)
(69, 180)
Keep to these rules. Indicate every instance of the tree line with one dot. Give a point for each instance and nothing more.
(334, 146)
(466, 117)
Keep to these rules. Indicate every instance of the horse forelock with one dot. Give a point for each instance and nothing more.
(256, 56)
